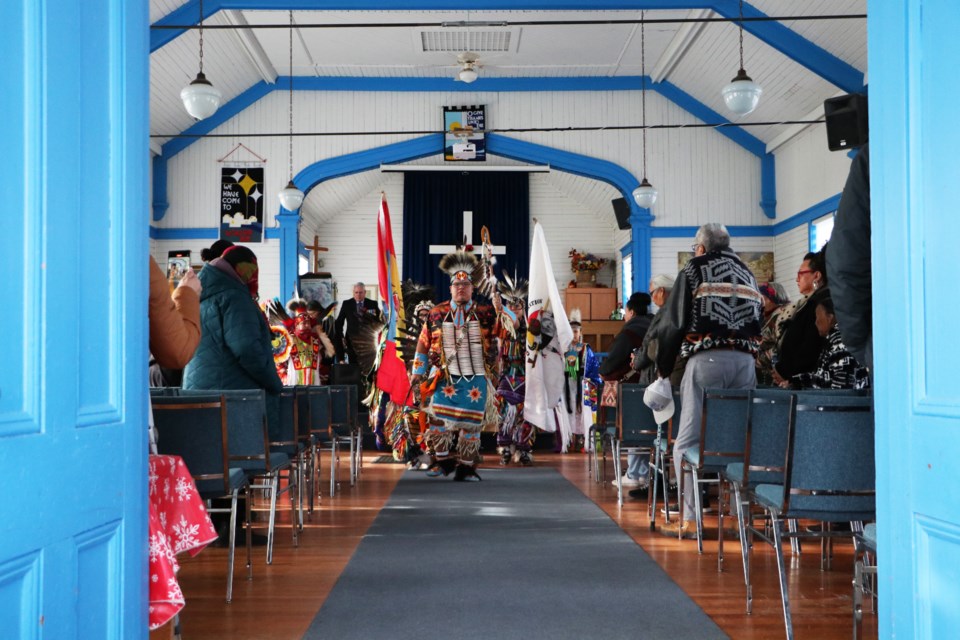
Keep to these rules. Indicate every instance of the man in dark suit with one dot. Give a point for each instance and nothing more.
(351, 311)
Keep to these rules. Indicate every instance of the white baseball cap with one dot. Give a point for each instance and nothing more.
(659, 397)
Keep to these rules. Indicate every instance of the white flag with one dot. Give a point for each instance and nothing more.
(546, 322)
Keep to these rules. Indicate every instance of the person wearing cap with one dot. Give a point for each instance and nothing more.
(644, 359)
(713, 320)
(774, 297)
(457, 344)
(616, 366)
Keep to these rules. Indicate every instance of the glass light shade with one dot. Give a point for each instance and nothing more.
(645, 194)
(290, 197)
(467, 74)
(200, 98)
(742, 94)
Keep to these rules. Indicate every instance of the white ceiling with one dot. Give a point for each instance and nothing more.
(697, 58)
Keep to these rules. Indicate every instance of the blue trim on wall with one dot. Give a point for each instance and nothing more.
(774, 34)
(198, 233)
(768, 185)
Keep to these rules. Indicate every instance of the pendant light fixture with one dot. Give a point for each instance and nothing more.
(742, 94)
(290, 197)
(200, 98)
(646, 193)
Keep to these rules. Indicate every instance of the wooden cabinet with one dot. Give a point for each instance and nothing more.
(596, 305)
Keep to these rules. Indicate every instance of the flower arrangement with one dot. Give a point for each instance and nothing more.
(585, 261)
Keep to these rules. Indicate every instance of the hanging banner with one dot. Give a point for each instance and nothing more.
(463, 137)
(241, 204)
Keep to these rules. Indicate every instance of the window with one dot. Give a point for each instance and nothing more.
(820, 231)
(626, 276)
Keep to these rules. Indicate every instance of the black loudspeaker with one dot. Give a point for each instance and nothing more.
(621, 209)
(846, 121)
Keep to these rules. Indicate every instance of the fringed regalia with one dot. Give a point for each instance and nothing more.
(582, 373)
(457, 341)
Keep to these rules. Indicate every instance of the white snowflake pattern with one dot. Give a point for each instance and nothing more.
(154, 577)
(162, 516)
(157, 546)
(153, 480)
(184, 489)
(186, 535)
(166, 488)
(173, 590)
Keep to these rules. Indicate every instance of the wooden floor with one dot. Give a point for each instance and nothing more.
(282, 599)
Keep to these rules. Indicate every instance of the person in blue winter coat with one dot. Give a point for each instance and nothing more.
(234, 350)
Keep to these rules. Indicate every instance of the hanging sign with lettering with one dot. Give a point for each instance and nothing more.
(241, 204)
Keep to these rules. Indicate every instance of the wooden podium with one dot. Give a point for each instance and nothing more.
(595, 304)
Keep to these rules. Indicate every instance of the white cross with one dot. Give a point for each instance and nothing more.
(444, 249)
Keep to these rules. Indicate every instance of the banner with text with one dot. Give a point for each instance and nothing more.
(241, 204)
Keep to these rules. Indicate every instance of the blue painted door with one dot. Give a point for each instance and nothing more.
(73, 343)
(915, 170)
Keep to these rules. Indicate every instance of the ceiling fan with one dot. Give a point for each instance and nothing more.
(469, 63)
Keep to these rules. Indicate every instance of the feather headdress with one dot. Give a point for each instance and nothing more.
(575, 318)
(459, 265)
(513, 289)
(414, 294)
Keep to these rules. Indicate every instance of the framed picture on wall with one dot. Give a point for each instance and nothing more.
(760, 263)
(320, 287)
(463, 138)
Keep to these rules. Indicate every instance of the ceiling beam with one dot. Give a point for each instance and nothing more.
(251, 45)
(789, 43)
(682, 41)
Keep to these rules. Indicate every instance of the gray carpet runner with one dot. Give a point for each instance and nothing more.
(523, 554)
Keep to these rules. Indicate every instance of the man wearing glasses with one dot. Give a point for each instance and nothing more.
(713, 320)
(456, 345)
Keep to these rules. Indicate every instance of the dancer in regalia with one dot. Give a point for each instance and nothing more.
(582, 373)
(457, 344)
(298, 346)
(515, 435)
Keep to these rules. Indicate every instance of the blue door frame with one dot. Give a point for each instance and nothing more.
(73, 445)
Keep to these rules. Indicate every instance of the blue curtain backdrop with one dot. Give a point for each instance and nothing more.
(433, 206)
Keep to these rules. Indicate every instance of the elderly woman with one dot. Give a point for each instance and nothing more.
(799, 342)
(774, 298)
(836, 366)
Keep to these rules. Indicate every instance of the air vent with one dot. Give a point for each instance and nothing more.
(457, 40)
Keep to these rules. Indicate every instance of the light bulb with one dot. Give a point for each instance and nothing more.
(742, 94)
(200, 98)
(645, 195)
(290, 197)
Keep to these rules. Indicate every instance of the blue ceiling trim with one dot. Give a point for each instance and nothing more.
(794, 46)
(225, 112)
(369, 159)
(701, 111)
(197, 233)
(774, 34)
(448, 84)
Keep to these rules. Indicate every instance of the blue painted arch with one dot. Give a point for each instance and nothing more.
(369, 159)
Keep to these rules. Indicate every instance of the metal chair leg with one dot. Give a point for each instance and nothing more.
(744, 544)
(273, 487)
(652, 506)
(232, 543)
(698, 508)
(781, 568)
(616, 472)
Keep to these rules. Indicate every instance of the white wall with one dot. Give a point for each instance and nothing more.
(808, 172)
(789, 250)
(663, 253)
(352, 238)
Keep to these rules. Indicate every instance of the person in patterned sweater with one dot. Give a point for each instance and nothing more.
(836, 368)
(712, 319)
(457, 344)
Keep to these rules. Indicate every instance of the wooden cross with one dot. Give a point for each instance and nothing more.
(444, 249)
(315, 248)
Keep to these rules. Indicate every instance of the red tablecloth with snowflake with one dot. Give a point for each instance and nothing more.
(178, 523)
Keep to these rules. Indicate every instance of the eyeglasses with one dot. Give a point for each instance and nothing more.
(461, 283)
(694, 246)
(803, 271)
